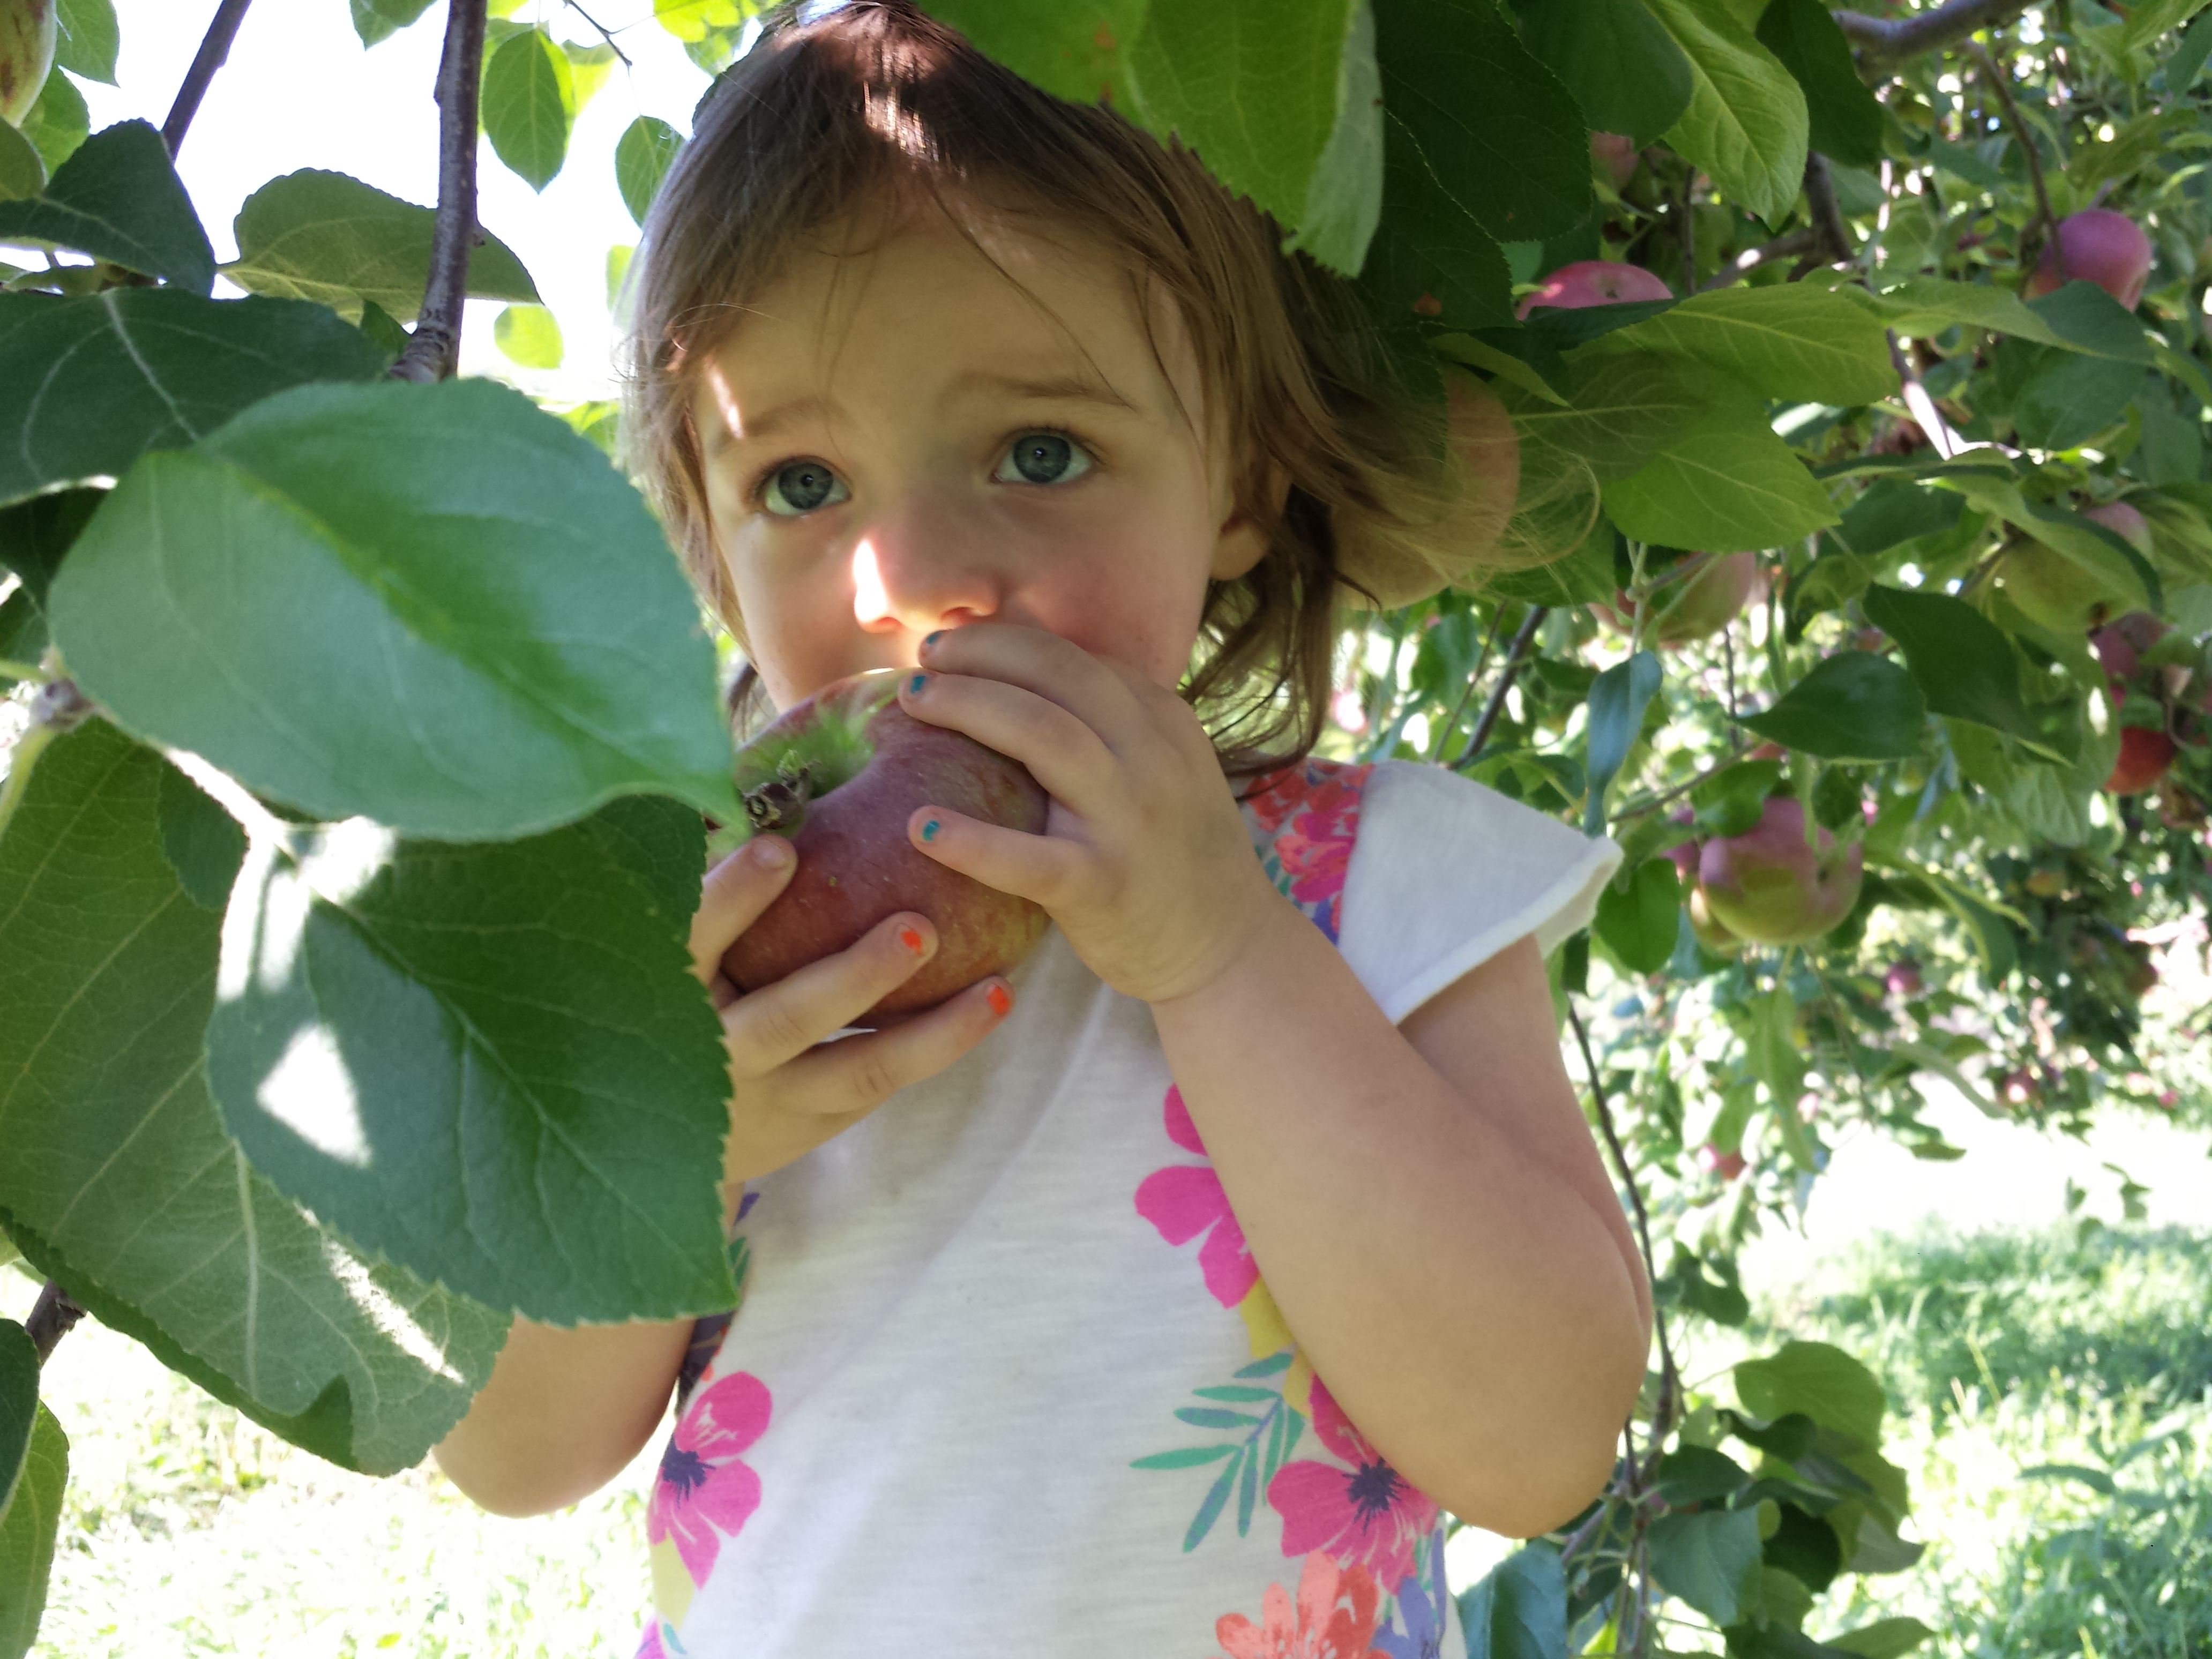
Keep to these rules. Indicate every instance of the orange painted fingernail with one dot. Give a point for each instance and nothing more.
(1000, 999)
(911, 938)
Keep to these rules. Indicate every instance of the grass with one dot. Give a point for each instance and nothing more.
(2007, 1353)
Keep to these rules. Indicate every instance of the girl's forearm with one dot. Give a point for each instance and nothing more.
(1467, 1304)
(564, 1413)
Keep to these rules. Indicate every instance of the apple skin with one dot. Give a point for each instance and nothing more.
(1696, 607)
(1727, 1165)
(2144, 756)
(1595, 282)
(2100, 246)
(855, 864)
(1904, 979)
(1768, 886)
(1616, 156)
(27, 32)
(2119, 645)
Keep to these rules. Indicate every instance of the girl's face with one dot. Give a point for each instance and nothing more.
(899, 439)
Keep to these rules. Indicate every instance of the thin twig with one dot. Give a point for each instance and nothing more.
(1884, 42)
(2046, 223)
(1512, 671)
(215, 47)
(1473, 679)
(605, 34)
(52, 1316)
(435, 350)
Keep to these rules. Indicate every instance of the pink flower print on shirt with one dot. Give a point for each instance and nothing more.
(703, 1494)
(1185, 1199)
(1318, 1627)
(648, 1646)
(1367, 1514)
(1306, 818)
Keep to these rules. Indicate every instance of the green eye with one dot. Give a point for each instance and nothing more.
(800, 488)
(1043, 458)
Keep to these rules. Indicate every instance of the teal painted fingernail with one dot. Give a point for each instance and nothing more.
(913, 686)
(932, 639)
(929, 829)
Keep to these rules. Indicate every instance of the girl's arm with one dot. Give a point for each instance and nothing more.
(1429, 1213)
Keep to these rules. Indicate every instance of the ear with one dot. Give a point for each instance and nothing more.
(1243, 541)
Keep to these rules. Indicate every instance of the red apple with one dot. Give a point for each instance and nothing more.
(2119, 645)
(1727, 1165)
(2096, 245)
(2144, 756)
(1697, 606)
(1616, 156)
(1595, 282)
(1772, 887)
(1904, 978)
(839, 776)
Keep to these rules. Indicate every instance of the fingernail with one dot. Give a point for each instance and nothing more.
(1000, 999)
(932, 639)
(770, 852)
(911, 938)
(929, 829)
(913, 686)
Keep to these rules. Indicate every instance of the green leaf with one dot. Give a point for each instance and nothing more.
(1638, 921)
(490, 1064)
(118, 199)
(36, 534)
(204, 844)
(1706, 1559)
(1853, 706)
(1925, 306)
(2152, 18)
(22, 171)
(1618, 699)
(1251, 85)
(1077, 49)
(1961, 660)
(1579, 577)
(2084, 316)
(1622, 408)
(643, 154)
(23, 637)
(87, 39)
(1724, 486)
(1699, 1474)
(509, 641)
(661, 843)
(2188, 60)
(116, 1176)
(589, 70)
(1344, 197)
(19, 1404)
(530, 336)
(2068, 399)
(1844, 121)
(1775, 1055)
(1746, 125)
(1804, 1546)
(375, 20)
(528, 102)
(58, 123)
(318, 236)
(1623, 68)
(27, 1531)
(1789, 341)
(1885, 1638)
(1518, 1609)
(1894, 510)
(87, 385)
(1823, 1382)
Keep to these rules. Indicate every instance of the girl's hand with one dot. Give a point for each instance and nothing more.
(1144, 863)
(788, 1094)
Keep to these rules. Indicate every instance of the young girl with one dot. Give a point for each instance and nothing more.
(1150, 1301)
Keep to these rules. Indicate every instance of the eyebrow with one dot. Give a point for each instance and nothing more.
(1066, 388)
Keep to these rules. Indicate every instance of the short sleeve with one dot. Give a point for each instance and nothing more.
(1446, 873)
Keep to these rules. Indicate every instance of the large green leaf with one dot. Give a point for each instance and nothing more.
(1078, 50)
(35, 535)
(87, 385)
(118, 199)
(318, 236)
(374, 20)
(1746, 125)
(1622, 66)
(490, 1064)
(27, 1530)
(18, 1403)
(1518, 1609)
(1853, 706)
(1962, 661)
(432, 605)
(1618, 699)
(58, 123)
(1344, 197)
(1791, 341)
(116, 1176)
(2067, 398)
(1709, 1558)
(1638, 921)
(23, 169)
(1252, 86)
(87, 39)
(1623, 409)
(1842, 119)
(643, 154)
(528, 102)
(1823, 1382)
(1726, 485)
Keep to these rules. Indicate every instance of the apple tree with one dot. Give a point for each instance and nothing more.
(1858, 370)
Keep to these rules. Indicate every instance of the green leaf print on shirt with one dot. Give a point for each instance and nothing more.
(1253, 1457)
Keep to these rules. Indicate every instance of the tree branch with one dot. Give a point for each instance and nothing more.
(1827, 213)
(215, 47)
(605, 34)
(1884, 42)
(52, 1316)
(2046, 222)
(1796, 244)
(1506, 676)
(434, 351)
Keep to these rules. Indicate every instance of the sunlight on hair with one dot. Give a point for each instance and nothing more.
(870, 602)
(311, 1092)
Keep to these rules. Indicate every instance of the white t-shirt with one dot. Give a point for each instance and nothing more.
(1005, 1378)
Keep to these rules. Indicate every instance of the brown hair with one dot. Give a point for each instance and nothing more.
(875, 100)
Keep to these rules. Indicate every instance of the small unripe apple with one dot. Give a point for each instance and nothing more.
(2095, 246)
(1695, 607)
(26, 55)
(2144, 756)
(1771, 886)
(1595, 282)
(2054, 592)
(1616, 156)
(839, 776)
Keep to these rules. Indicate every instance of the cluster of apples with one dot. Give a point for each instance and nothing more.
(2160, 684)
(1770, 884)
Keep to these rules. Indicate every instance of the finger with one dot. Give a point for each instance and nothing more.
(1044, 869)
(1095, 689)
(1073, 762)
(733, 897)
(858, 1074)
(769, 1027)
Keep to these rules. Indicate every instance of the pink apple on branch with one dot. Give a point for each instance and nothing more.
(1595, 282)
(839, 776)
(1616, 156)
(2095, 246)
(1771, 886)
(27, 32)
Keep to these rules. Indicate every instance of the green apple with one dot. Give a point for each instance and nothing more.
(27, 54)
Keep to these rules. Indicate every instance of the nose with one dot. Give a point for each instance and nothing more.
(920, 572)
